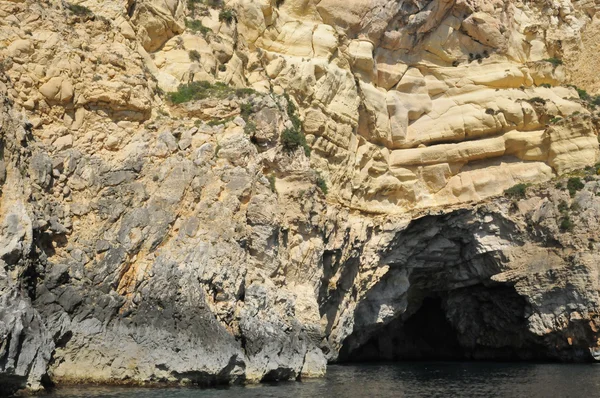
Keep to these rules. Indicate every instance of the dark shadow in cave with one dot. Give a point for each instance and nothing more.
(472, 323)
(426, 335)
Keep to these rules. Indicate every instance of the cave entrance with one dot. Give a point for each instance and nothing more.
(425, 335)
(471, 323)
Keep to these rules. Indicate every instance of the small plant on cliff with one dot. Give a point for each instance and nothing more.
(218, 121)
(546, 85)
(227, 15)
(537, 100)
(554, 61)
(566, 224)
(563, 206)
(196, 26)
(583, 94)
(194, 56)
(201, 90)
(517, 192)
(574, 184)
(292, 138)
(246, 110)
(243, 92)
(291, 111)
(322, 184)
(555, 120)
(79, 10)
(271, 179)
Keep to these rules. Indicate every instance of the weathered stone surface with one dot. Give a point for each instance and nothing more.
(148, 242)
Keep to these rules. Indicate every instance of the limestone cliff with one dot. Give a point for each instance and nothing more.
(219, 192)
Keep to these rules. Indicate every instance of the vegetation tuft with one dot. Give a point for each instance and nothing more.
(293, 138)
(555, 120)
(203, 89)
(246, 110)
(554, 61)
(271, 179)
(227, 15)
(574, 185)
(537, 100)
(196, 26)
(194, 56)
(566, 224)
(79, 10)
(322, 184)
(517, 192)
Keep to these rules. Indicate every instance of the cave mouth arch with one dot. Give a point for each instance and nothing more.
(426, 335)
(472, 323)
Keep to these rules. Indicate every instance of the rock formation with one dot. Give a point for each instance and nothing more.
(332, 192)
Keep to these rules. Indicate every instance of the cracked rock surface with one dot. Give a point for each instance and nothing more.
(143, 240)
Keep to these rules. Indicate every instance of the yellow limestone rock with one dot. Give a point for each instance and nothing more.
(57, 89)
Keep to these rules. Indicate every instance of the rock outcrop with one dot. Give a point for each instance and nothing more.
(332, 188)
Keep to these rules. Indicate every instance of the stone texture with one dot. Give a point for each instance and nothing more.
(147, 242)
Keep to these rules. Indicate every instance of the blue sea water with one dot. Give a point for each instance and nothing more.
(420, 379)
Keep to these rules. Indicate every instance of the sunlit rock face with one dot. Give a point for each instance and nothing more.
(413, 104)
(147, 241)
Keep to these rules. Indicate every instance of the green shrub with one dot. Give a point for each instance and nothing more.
(546, 85)
(322, 184)
(554, 61)
(217, 122)
(517, 192)
(271, 179)
(563, 206)
(79, 10)
(574, 184)
(246, 110)
(555, 120)
(537, 100)
(194, 56)
(292, 138)
(201, 90)
(581, 92)
(227, 15)
(243, 92)
(196, 26)
(566, 224)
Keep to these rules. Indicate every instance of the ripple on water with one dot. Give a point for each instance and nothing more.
(439, 379)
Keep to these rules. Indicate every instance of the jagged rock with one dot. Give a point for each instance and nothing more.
(205, 242)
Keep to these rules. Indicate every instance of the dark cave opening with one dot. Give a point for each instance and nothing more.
(472, 323)
(426, 335)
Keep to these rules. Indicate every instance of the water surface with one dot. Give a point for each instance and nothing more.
(439, 379)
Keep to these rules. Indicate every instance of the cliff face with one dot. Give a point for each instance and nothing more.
(146, 239)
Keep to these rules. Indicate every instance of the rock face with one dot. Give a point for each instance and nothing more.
(149, 240)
